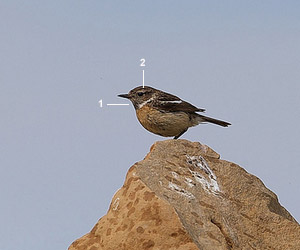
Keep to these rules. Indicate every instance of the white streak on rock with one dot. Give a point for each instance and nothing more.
(207, 179)
(115, 204)
(181, 191)
(189, 182)
(175, 175)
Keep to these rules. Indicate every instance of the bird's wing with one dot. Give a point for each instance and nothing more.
(171, 103)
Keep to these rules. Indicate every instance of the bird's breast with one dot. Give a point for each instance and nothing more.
(163, 123)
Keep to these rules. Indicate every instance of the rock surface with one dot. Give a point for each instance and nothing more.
(182, 196)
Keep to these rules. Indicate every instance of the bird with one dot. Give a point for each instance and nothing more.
(165, 114)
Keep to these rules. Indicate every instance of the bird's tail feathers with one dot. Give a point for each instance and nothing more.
(203, 119)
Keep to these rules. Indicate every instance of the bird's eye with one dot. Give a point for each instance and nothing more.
(140, 93)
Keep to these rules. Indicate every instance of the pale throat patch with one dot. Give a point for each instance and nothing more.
(145, 102)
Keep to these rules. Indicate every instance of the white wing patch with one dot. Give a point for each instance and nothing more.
(172, 101)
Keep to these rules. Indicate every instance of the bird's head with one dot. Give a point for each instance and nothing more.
(140, 96)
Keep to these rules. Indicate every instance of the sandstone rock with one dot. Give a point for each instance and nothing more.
(182, 196)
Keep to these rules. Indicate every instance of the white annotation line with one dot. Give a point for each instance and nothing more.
(143, 78)
(117, 104)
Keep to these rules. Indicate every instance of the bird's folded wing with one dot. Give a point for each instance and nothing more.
(170, 103)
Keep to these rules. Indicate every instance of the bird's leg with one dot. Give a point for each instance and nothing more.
(177, 136)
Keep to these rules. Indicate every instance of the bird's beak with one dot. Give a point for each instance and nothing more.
(124, 96)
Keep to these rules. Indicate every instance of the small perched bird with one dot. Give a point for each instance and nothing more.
(165, 114)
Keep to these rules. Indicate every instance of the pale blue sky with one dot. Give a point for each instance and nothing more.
(62, 157)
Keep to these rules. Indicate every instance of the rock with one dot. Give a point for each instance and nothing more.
(182, 196)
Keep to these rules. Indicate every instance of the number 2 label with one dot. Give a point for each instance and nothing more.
(143, 62)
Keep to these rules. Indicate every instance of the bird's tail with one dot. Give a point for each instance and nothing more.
(202, 119)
